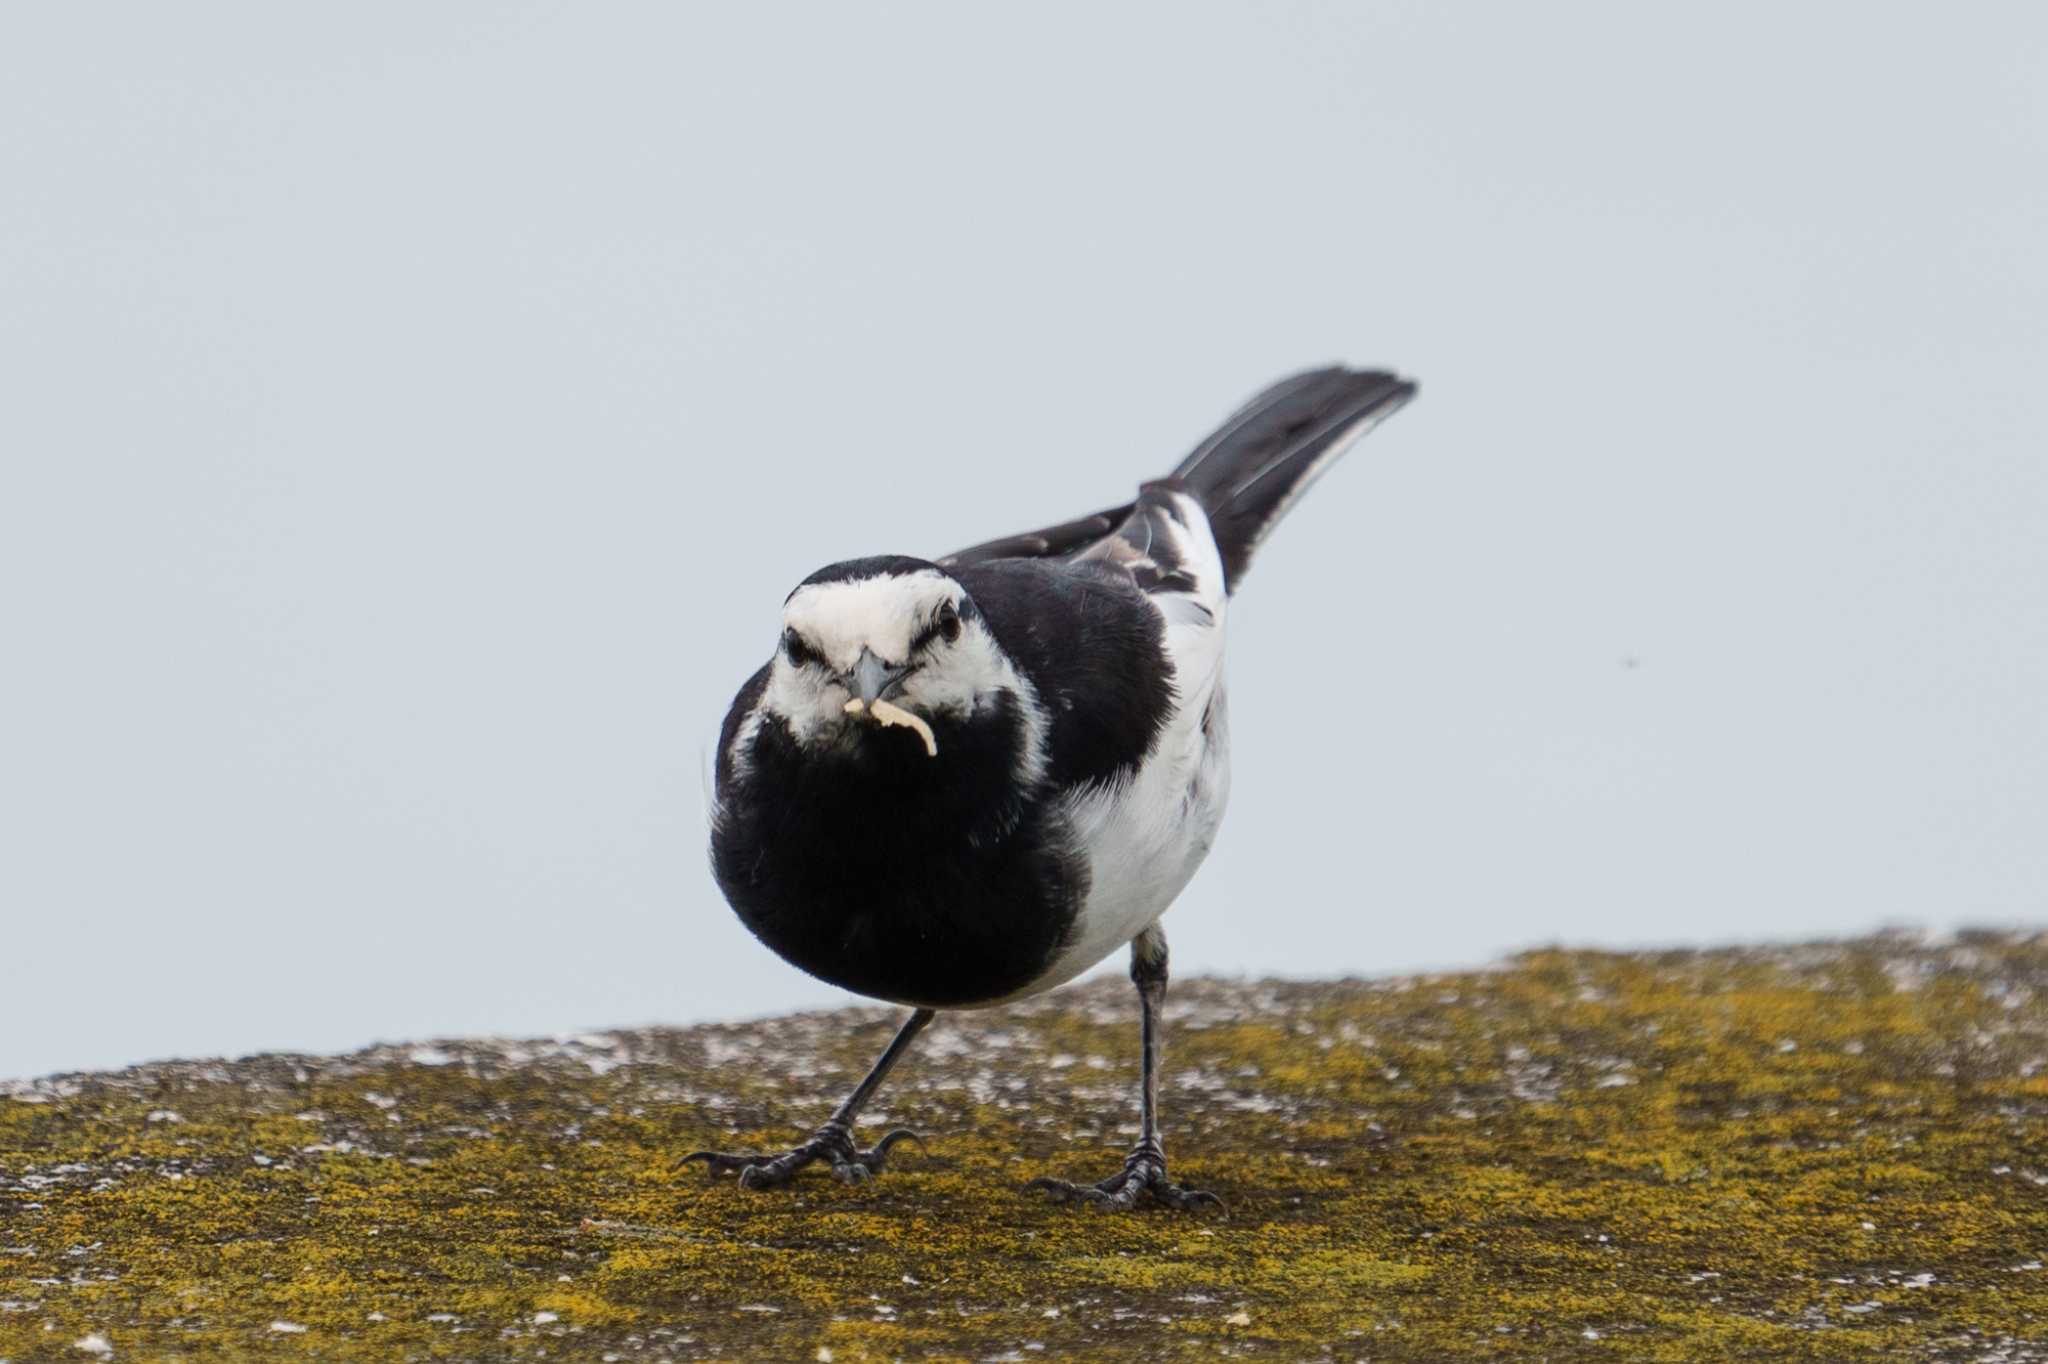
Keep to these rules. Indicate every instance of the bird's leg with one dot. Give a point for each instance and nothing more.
(834, 1141)
(1144, 1174)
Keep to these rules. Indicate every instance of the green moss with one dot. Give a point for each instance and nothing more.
(1818, 1153)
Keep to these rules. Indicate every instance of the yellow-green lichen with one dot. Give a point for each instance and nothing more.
(1834, 1152)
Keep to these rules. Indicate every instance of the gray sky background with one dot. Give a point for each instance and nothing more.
(414, 415)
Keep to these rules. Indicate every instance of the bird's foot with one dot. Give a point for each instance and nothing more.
(833, 1144)
(1143, 1179)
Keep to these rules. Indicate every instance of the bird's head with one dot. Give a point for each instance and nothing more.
(883, 643)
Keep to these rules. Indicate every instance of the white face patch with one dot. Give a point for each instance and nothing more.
(837, 620)
(889, 614)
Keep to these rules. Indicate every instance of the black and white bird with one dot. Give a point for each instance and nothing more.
(965, 780)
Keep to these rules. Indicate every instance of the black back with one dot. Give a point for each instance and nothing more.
(1092, 648)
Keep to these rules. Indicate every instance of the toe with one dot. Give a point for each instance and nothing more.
(1058, 1190)
(1140, 1181)
(771, 1173)
(875, 1158)
(1174, 1196)
(1111, 1194)
(1115, 1200)
(831, 1145)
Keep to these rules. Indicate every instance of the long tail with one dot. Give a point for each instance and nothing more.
(1258, 463)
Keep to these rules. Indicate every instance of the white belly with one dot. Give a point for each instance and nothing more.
(1145, 838)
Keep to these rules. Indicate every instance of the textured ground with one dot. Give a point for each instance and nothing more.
(1835, 1152)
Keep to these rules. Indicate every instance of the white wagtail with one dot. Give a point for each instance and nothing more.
(966, 780)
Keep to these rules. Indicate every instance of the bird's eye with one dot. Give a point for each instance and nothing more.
(947, 622)
(798, 652)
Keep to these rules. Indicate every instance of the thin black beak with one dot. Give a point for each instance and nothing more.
(871, 677)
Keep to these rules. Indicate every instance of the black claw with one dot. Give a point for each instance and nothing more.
(1142, 1178)
(880, 1152)
(717, 1163)
(833, 1144)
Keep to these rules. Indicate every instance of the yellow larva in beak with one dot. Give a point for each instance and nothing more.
(888, 713)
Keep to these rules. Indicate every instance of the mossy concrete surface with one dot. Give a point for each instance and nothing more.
(1826, 1152)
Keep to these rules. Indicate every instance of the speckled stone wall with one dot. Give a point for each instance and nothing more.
(1826, 1152)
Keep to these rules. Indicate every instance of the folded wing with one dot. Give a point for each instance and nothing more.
(1246, 475)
